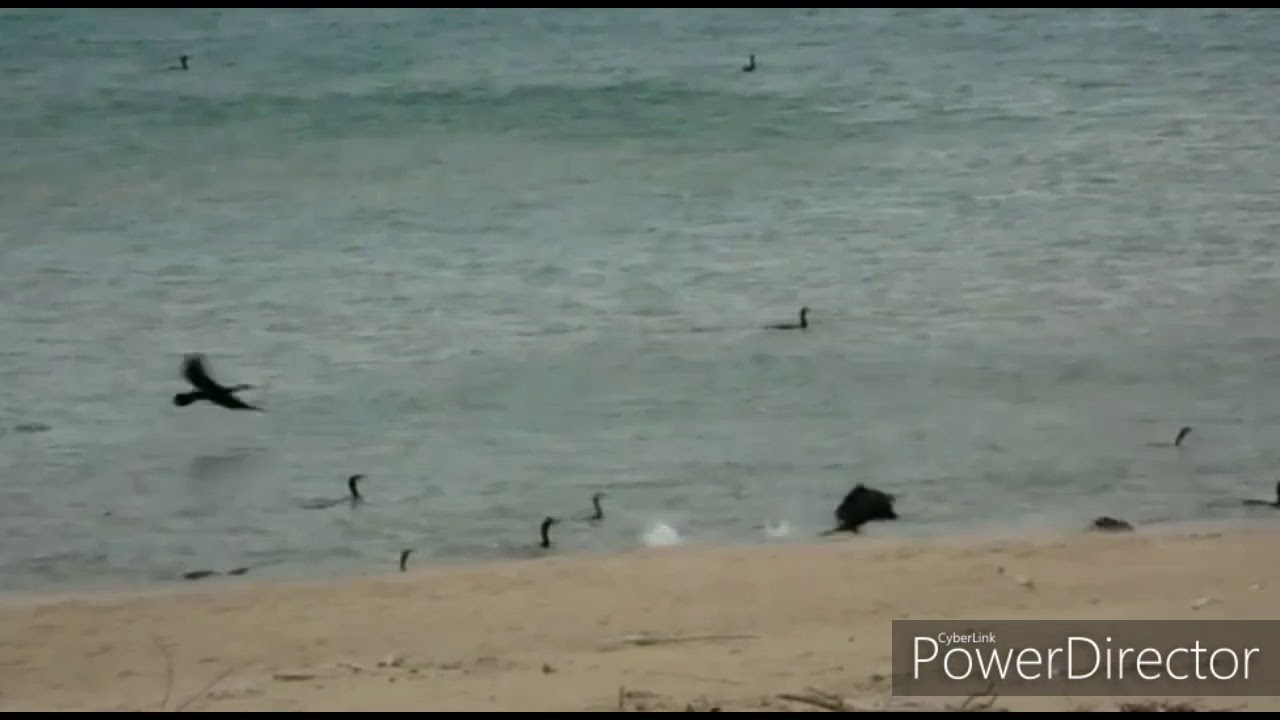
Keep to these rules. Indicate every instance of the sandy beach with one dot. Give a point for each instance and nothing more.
(730, 628)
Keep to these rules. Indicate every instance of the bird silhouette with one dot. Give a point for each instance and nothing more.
(1267, 503)
(598, 515)
(802, 325)
(355, 498)
(193, 370)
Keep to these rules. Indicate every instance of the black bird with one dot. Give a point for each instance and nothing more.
(802, 325)
(404, 558)
(537, 549)
(1183, 432)
(1274, 503)
(545, 531)
(861, 506)
(355, 498)
(596, 517)
(750, 66)
(206, 388)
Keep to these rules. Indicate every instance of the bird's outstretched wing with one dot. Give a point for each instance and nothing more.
(194, 371)
(231, 402)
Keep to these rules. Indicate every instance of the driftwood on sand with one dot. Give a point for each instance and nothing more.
(978, 702)
(815, 698)
(642, 640)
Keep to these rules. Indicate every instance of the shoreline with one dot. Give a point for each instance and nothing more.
(294, 575)
(559, 633)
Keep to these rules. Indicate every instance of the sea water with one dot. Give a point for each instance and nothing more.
(498, 260)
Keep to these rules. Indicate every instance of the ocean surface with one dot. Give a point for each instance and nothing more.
(499, 260)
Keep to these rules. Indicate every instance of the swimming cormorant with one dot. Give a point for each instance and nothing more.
(355, 498)
(1273, 503)
(751, 65)
(545, 530)
(206, 388)
(596, 517)
(803, 324)
(1183, 432)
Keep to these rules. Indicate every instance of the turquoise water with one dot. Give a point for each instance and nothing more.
(497, 260)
